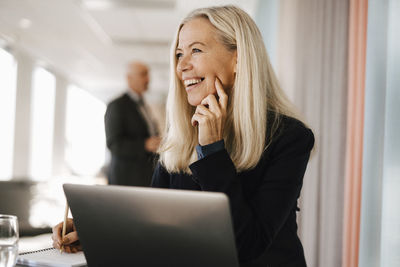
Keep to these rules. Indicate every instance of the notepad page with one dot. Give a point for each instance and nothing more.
(52, 257)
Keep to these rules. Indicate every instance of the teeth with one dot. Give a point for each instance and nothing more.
(191, 81)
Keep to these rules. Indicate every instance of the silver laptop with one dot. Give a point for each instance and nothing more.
(137, 226)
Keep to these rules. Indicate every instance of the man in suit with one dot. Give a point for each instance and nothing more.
(131, 132)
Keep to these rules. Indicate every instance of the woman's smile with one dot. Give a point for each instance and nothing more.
(192, 83)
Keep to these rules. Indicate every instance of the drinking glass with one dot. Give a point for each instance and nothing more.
(8, 240)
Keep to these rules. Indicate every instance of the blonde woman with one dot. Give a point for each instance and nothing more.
(230, 129)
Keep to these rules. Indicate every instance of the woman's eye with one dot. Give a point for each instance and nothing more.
(179, 55)
(196, 50)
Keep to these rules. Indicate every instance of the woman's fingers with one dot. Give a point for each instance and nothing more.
(197, 119)
(73, 248)
(70, 242)
(210, 116)
(215, 106)
(201, 109)
(78, 248)
(199, 115)
(70, 238)
(56, 236)
(67, 249)
(223, 97)
(212, 104)
(56, 245)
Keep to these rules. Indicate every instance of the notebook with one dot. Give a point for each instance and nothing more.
(51, 257)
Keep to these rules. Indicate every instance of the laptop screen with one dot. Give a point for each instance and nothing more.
(137, 226)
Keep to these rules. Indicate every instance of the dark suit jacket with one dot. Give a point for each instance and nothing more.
(263, 200)
(126, 132)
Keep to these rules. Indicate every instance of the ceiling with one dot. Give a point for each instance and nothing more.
(90, 42)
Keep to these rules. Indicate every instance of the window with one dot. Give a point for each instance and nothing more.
(85, 151)
(8, 74)
(380, 213)
(43, 97)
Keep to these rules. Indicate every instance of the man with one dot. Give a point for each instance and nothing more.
(131, 132)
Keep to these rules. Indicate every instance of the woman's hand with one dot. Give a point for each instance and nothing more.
(210, 116)
(70, 242)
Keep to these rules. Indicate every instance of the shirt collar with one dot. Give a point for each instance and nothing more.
(133, 95)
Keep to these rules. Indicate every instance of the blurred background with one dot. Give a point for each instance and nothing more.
(62, 61)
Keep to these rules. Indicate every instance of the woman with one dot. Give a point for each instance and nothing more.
(230, 129)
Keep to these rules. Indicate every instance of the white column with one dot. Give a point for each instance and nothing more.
(59, 140)
(23, 117)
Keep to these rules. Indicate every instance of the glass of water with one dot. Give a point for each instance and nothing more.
(8, 240)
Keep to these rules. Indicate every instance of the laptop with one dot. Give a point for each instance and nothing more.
(138, 226)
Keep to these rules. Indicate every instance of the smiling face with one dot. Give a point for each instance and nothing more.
(201, 58)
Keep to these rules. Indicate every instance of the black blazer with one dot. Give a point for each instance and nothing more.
(263, 200)
(126, 132)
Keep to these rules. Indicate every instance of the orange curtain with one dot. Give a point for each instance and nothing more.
(355, 124)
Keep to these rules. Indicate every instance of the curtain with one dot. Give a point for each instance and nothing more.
(358, 13)
(312, 68)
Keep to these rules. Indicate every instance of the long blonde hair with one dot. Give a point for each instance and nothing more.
(256, 92)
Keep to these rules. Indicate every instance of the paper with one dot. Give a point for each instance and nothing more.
(52, 257)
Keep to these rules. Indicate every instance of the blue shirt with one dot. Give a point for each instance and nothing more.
(204, 151)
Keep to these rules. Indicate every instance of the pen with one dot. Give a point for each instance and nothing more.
(64, 225)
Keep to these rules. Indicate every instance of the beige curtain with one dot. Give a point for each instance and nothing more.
(312, 68)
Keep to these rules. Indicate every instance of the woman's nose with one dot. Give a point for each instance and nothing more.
(184, 64)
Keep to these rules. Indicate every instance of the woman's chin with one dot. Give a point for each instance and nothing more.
(194, 101)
